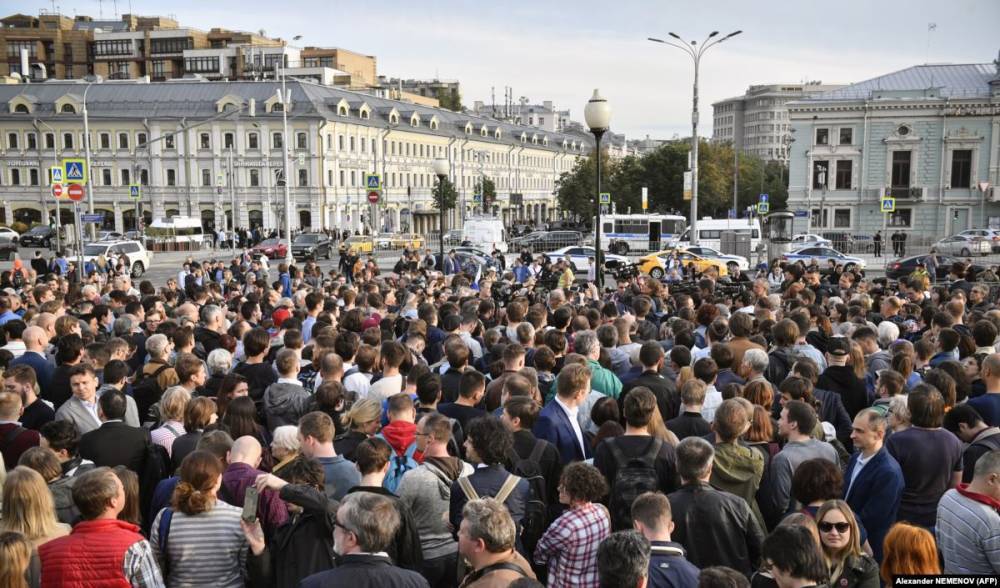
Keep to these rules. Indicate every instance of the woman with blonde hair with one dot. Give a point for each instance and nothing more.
(908, 550)
(198, 539)
(172, 406)
(840, 539)
(16, 563)
(362, 421)
(28, 507)
(856, 359)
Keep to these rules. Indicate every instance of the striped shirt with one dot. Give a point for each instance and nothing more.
(968, 534)
(207, 549)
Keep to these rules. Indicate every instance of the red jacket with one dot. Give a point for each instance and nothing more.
(92, 556)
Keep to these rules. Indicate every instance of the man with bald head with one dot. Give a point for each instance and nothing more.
(35, 343)
(187, 311)
(242, 472)
(47, 322)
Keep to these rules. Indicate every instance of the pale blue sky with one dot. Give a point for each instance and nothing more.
(561, 50)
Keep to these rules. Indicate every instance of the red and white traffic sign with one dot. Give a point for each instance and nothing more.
(57, 190)
(75, 192)
(373, 196)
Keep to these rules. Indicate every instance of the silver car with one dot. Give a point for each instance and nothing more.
(991, 235)
(964, 245)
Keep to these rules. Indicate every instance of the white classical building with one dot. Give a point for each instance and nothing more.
(200, 147)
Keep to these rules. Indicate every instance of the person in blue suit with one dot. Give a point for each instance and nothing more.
(557, 423)
(874, 480)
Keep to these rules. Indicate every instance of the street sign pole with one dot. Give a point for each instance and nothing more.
(79, 241)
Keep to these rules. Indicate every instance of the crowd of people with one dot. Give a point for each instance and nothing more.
(237, 427)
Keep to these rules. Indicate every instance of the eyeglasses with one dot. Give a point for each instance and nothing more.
(842, 528)
(337, 523)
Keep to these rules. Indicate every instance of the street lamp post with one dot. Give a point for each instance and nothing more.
(55, 163)
(692, 49)
(285, 97)
(441, 168)
(597, 114)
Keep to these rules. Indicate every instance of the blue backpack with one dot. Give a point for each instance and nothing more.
(399, 465)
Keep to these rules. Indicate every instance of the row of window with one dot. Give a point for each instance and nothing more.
(845, 136)
(902, 160)
(840, 218)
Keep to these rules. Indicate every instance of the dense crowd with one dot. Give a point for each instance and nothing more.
(252, 425)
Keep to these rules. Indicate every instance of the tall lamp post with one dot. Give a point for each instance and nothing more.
(692, 49)
(597, 113)
(441, 168)
(285, 98)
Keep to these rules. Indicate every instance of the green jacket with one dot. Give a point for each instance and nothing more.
(604, 380)
(738, 469)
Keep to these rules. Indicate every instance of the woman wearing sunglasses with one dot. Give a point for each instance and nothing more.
(839, 535)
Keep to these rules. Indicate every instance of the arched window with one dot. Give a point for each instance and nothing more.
(364, 115)
(393, 119)
(342, 111)
(68, 108)
(22, 109)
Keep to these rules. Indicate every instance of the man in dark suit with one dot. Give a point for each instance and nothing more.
(651, 356)
(35, 342)
(114, 443)
(365, 525)
(557, 422)
(873, 485)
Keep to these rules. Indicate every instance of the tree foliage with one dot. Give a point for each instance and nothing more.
(488, 189)
(446, 188)
(450, 99)
(662, 172)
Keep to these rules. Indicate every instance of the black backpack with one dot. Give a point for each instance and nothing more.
(536, 518)
(156, 467)
(635, 476)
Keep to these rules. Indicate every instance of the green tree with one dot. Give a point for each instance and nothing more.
(450, 99)
(488, 189)
(447, 189)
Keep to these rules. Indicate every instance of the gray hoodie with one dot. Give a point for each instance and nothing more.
(426, 490)
(285, 403)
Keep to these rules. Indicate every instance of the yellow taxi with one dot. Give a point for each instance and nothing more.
(360, 244)
(401, 241)
(655, 264)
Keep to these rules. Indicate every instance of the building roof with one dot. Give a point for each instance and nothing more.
(966, 80)
(195, 99)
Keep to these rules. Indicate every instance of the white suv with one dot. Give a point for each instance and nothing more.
(138, 257)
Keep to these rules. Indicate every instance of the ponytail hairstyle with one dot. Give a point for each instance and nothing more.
(361, 413)
(15, 555)
(195, 493)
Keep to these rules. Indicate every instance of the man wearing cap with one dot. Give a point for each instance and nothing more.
(840, 378)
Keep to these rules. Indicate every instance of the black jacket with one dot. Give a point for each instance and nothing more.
(842, 380)
(716, 528)
(366, 571)
(209, 339)
(301, 547)
(665, 390)
(115, 443)
(405, 549)
(860, 571)
(689, 424)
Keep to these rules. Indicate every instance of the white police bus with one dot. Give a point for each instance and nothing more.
(640, 232)
(710, 231)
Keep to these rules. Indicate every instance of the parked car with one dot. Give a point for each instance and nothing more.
(907, 265)
(314, 245)
(109, 236)
(272, 248)
(401, 241)
(38, 236)
(9, 235)
(964, 245)
(731, 260)
(810, 239)
(823, 255)
(360, 244)
(541, 241)
(992, 235)
(655, 264)
(453, 237)
(579, 256)
(139, 258)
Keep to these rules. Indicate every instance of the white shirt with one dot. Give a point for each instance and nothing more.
(862, 461)
(713, 399)
(573, 421)
(386, 387)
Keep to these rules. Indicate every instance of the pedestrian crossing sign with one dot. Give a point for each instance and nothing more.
(888, 205)
(134, 192)
(764, 207)
(605, 197)
(373, 182)
(75, 171)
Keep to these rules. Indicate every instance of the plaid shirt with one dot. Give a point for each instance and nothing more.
(569, 546)
(140, 566)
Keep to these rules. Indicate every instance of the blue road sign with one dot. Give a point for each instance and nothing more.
(801, 214)
(91, 218)
(76, 171)
(373, 182)
(134, 192)
(764, 197)
(888, 204)
(477, 198)
(763, 207)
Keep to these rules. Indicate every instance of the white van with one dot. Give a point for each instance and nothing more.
(486, 233)
(178, 229)
(710, 231)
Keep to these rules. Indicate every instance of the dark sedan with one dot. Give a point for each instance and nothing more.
(40, 236)
(314, 245)
(908, 265)
(542, 241)
(272, 248)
